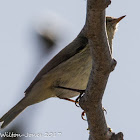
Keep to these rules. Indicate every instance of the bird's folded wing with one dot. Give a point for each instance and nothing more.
(70, 50)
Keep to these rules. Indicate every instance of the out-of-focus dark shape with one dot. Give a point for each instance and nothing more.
(47, 40)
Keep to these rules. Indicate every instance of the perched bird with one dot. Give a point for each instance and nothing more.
(70, 68)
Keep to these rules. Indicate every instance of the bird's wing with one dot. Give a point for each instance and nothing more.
(73, 48)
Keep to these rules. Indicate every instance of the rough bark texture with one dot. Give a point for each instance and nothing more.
(102, 65)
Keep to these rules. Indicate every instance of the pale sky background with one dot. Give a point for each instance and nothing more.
(21, 59)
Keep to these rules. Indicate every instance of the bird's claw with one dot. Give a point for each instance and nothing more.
(82, 115)
(104, 110)
(78, 98)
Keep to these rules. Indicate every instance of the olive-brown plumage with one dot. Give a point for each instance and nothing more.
(69, 68)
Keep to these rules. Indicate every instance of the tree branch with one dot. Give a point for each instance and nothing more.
(102, 65)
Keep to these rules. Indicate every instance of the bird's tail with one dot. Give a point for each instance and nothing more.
(12, 113)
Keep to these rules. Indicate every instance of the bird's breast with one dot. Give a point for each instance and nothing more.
(73, 73)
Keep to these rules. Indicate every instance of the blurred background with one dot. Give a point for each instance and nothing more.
(31, 33)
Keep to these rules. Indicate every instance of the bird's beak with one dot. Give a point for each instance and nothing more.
(117, 20)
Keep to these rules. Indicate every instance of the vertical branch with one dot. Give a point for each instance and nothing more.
(102, 65)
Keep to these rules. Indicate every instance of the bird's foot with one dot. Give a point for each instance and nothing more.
(76, 90)
(104, 110)
(84, 113)
(78, 98)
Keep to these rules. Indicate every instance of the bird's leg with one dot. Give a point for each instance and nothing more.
(76, 90)
(68, 99)
(77, 99)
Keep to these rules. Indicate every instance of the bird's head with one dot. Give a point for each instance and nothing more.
(111, 26)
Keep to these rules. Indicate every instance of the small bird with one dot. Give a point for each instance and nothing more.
(69, 69)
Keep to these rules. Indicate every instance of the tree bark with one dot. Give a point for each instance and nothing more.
(102, 65)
